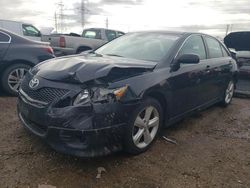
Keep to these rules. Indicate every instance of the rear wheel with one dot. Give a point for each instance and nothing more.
(144, 126)
(229, 92)
(12, 78)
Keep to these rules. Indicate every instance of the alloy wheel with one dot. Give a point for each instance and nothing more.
(145, 127)
(15, 78)
(229, 92)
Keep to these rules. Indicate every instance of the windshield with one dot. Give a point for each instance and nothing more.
(142, 46)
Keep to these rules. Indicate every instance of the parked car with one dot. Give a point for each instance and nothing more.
(68, 44)
(17, 55)
(20, 28)
(240, 42)
(122, 94)
(243, 59)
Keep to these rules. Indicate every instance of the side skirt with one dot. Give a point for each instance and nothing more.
(178, 118)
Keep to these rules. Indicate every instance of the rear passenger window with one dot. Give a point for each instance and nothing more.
(214, 48)
(194, 45)
(93, 34)
(119, 33)
(4, 38)
(110, 34)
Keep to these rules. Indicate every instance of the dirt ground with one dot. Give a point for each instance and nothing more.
(213, 150)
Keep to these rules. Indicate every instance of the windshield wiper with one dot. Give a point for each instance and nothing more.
(114, 55)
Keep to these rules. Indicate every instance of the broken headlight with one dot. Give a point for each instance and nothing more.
(82, 98)
(104, 94)
(99, 95)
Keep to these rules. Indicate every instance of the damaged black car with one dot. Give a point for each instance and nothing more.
(121, 95)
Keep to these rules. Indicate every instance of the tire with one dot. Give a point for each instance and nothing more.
(228, 94)
(139, 134)
(17, 71)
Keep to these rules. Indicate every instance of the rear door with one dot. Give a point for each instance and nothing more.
(5, 40)
(217, 71)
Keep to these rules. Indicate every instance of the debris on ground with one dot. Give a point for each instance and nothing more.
(212, 151)
(169, 140)
(100, 170)
(46, 186)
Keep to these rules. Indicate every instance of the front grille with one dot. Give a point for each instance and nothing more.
(45, 94)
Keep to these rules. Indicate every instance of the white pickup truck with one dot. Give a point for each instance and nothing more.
(23, 29)
(90, 39)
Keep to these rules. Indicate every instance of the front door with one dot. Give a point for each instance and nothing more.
(186, 83)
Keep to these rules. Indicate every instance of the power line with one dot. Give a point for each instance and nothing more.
(82, 13)
(60, 16)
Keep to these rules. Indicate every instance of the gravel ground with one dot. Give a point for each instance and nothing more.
(213, 150)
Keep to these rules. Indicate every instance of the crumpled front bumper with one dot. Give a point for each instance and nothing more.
(85, 131)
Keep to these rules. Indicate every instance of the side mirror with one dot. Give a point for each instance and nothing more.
(188, 59)
(185, 59)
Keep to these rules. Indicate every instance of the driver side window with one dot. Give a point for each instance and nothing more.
(194, 45)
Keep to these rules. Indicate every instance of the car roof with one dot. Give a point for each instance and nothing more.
(101, 28)
(19, 22)
(180, 33)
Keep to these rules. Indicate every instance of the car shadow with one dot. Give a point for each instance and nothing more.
(3, 94)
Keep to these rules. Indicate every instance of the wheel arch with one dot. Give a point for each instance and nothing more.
(160, 97)
(17, 61)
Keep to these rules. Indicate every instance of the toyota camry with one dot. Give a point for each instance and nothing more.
(121, 95)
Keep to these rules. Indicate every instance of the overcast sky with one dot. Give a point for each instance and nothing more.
(209, 16)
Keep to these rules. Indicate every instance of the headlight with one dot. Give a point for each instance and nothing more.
(119, 93)
(106, 94)
(100, 94)
(82, 98)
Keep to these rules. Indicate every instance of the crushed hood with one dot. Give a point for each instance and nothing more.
(240, 41)
(83, 68)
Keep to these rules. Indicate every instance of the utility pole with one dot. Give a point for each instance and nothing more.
(107, 23)
(82, 13)
(227, 29)
(61, 16)
(56, 26)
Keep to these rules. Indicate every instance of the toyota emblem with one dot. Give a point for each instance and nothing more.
(34, 83)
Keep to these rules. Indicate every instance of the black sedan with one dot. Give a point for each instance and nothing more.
(17, 55)
(122, 94)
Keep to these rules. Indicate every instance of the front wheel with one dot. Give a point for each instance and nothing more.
(144, 126)
(228, 94)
